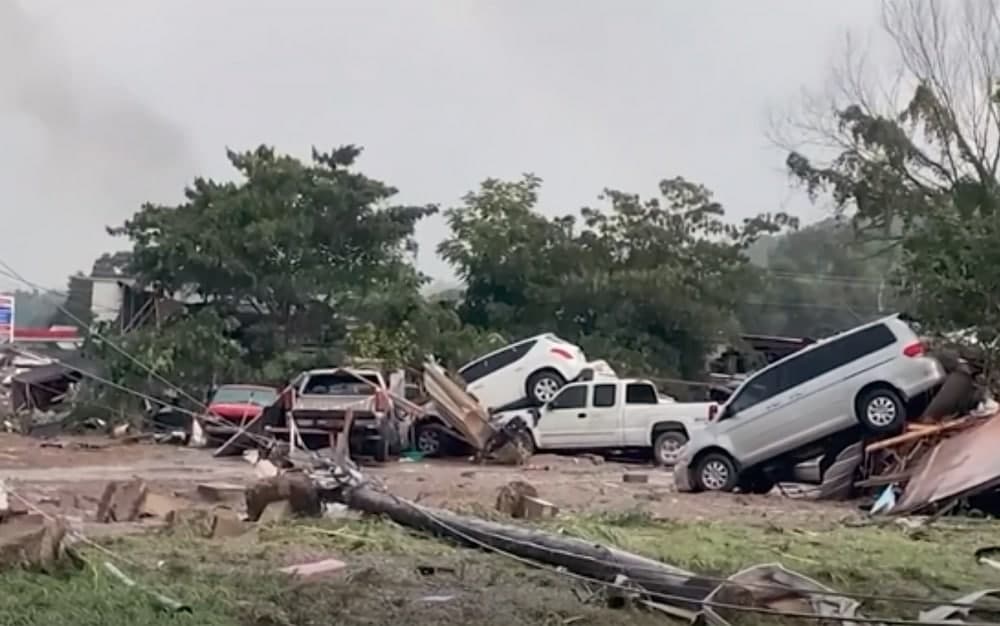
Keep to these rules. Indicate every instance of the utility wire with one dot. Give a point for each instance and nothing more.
(272, 440)
(105, 340)
(675, 598)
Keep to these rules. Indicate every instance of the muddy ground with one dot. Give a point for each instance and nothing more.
(232, 581)
(69, 480)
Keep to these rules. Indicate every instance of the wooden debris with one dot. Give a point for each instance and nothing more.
(510, 498)
(316, 568)
(915, 432)
(537, 509)
(297, 489)
(121, 501)
(31, 541)
(160, 506)
(220, 492)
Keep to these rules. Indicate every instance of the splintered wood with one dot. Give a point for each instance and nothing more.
(893, 460)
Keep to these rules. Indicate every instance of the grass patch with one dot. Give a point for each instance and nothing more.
(234, 582)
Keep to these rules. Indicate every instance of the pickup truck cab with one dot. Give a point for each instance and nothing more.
(612, 414)
(318, 402)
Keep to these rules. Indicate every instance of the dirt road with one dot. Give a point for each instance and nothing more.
(69, 480)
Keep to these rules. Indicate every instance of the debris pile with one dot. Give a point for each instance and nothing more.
(934, 466)
(28, 539)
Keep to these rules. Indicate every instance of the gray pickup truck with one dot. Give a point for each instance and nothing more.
(319, 400)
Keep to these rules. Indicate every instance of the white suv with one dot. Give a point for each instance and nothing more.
(531, 370)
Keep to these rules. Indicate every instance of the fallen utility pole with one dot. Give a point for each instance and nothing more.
(593, 561)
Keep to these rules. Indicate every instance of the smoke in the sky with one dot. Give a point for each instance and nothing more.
(79, 152)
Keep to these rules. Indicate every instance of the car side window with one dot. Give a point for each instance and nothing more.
(572, 397)
(474, 371)
(805, 366)
(641, 393)
(759, 388)
(604, 396)
(487, 366)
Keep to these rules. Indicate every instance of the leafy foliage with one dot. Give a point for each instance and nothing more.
(650, 284)
(818, 281)
(273, 268)
(923, 176)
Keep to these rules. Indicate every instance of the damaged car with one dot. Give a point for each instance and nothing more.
(527, 373)
(804, 417)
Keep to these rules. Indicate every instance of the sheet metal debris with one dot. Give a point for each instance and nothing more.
(976, 604)
(962, 465)
(772, 586)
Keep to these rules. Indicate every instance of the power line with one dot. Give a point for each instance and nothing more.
(670, 597)
(105, 340)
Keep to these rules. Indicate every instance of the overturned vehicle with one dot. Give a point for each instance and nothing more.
(805, 418)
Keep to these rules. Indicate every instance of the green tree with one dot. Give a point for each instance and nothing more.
(649, 284)
(921, 176)
(819, 280)
(277, 265)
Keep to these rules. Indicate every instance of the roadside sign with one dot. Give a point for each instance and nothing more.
(6, 319)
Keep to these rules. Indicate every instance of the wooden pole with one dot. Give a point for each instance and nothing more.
(583, 558)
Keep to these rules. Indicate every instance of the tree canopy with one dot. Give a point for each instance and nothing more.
(915, 166)
(299, 262)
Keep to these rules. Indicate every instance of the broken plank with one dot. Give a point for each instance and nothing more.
(915, 435)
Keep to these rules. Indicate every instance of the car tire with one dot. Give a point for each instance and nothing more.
(881, 411)
(543, 386)
(669, 441)
(430, 441)
(716, 472)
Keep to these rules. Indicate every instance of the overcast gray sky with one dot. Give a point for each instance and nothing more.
(107, 103)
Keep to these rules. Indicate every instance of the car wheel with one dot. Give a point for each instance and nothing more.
(543, 386)
(667, 447)
(716, 472)
(881, 411)
(429, 441)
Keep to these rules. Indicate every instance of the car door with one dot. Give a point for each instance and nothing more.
(495, 380)
(562, 423)
(797, 414)
(752, 416)
(841, 367)
(602, 427)
(641, 400)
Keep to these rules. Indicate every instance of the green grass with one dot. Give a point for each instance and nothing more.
(234, 583)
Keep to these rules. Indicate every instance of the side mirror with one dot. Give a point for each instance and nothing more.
(713, 412)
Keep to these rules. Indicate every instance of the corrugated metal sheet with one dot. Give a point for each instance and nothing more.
(958, 466)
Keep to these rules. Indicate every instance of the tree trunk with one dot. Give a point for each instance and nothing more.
(678, 587)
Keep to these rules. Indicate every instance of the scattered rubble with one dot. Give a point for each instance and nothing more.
(296, 490)
(315, 569)
(635, 478)
(122, 501)
(31, 541)
(511, 498)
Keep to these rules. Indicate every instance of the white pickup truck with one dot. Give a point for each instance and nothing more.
(612, 414)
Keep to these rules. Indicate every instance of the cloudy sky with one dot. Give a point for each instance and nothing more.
(107, 103)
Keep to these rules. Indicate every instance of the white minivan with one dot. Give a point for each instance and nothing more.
(531, 370)
(785, 419)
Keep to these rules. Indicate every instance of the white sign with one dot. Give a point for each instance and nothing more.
(6, 319)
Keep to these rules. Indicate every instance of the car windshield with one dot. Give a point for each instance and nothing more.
(259, 396)
(342, 384)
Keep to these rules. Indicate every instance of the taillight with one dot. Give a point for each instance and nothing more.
(566, 354)
(914, 349)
